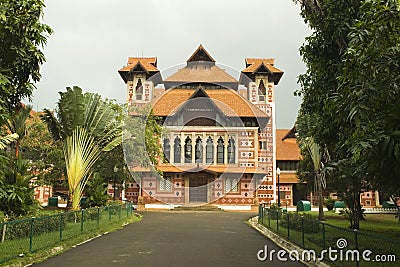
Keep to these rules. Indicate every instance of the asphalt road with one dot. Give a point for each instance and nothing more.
(175, 239)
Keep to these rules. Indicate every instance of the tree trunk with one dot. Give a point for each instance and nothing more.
(321, 215)
(69, 200)
(355, 207)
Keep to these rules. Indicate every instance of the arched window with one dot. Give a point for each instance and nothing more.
(209, 150)
(261, 88)
(199, 150)
(167, 149)
(231, 150)
(188, 150)
(177, 150)
(220, 151)
(139, 90)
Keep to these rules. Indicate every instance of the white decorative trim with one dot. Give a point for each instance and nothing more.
(234, 208)
(160, 206)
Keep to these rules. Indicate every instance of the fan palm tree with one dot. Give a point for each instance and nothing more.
(316, 154)
(88, 127)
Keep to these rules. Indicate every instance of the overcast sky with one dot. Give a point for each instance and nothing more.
(93, 38)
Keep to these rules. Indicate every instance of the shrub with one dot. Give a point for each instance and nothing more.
(329, 203)
(274, 211)
(92, 214)
(22, 228)
(310, 225)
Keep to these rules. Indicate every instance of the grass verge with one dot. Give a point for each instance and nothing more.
(43, 254)
(378, 234)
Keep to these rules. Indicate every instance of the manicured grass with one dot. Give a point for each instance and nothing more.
(379, 234)
(381, 224)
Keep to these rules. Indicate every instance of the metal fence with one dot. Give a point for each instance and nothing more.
(25, 236)
(335, 245)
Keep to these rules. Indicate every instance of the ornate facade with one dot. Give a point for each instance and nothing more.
(219, 141)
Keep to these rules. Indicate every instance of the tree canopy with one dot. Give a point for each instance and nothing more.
(350, 91)
(22, 36)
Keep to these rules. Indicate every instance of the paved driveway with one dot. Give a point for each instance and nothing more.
(175, 239)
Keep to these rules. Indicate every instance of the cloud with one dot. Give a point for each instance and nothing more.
(94, 38)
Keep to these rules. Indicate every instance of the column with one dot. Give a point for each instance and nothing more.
(182, 148)
(226, 140)
(256, 147)
(215, 143)
(204, 147)
(193, 148)
(172, 148)
(237, 149)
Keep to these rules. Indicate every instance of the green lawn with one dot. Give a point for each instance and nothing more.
(382, 224)
(379, 233)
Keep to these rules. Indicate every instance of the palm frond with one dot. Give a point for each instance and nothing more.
(53, 124)
(71, 109)
(8, 139)
(81, 152)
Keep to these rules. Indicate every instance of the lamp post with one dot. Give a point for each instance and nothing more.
(115, 171)
(278, 172)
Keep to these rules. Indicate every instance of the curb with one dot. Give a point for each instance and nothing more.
(281, 242)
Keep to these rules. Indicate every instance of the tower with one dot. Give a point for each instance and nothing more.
(141, 76)
(260, 76)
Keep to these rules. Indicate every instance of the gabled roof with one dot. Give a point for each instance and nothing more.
(254, 64)
(251, 61)
(286, 145)
(201, 68)
(211, 74)
(148, 64)
(262, 65)
(200, 54)
(228, 101)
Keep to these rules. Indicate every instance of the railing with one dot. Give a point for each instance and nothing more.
(20, 237)
(347, 246)
(381, 210)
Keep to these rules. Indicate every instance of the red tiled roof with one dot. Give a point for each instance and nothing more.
(209, 74)
(253, 64)
(288, 178)
(286, 148)
(227, 100)
(148, 64)
(250, 61)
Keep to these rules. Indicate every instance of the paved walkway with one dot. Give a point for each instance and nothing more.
(175, 239)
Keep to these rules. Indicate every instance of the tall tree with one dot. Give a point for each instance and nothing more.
(88, 127)
(141, 145)
(351, 92)
(369, 96)
(22, 36)
(45, 154)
